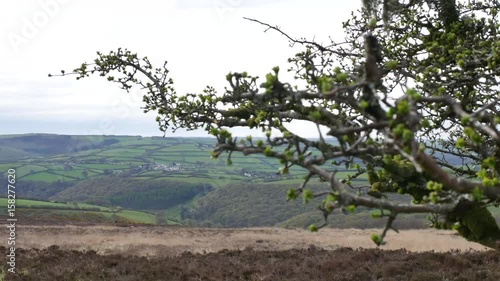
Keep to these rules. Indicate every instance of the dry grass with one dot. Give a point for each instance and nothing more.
(168, 241)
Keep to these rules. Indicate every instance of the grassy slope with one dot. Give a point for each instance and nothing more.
(265, 205)
(23, 203)
(58, 210)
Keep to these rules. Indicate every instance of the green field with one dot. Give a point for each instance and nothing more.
(75, 209)
(139, 157)
(46, 177)
(138, 216)
(102, 166)
(24, 203)
(29, 169)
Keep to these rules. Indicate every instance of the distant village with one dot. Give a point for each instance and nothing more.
(174, 167)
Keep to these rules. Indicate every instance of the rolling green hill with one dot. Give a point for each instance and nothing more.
(76, 212)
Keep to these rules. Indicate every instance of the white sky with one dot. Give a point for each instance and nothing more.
(201, 40)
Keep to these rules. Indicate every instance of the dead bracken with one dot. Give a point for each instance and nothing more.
(312, 263)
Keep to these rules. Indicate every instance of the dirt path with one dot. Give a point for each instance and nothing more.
(168, 241)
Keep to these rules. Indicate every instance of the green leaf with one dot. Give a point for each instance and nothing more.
(489, 162)
(268, 151)
(434, 186)
(407, 135)
(434, 197)
(291, 194)
(331, 198)
(342, 77)
(392, 64)
(270, 79)
(403, 107)
(326, 85)
(307, 195)
(373, 23)
(315, 115)
(260, 143)
(214, 131)
(460, 143)
(425, 123)
(313, 228)
(376, 238)
(477, 194)
(363, 104)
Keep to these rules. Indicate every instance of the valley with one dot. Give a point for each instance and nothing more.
(165, 181)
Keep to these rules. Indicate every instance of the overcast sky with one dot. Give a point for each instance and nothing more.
(201, 40)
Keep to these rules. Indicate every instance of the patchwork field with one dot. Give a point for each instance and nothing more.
(104, 155)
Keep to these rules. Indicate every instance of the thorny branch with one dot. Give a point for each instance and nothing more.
(350, 96)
